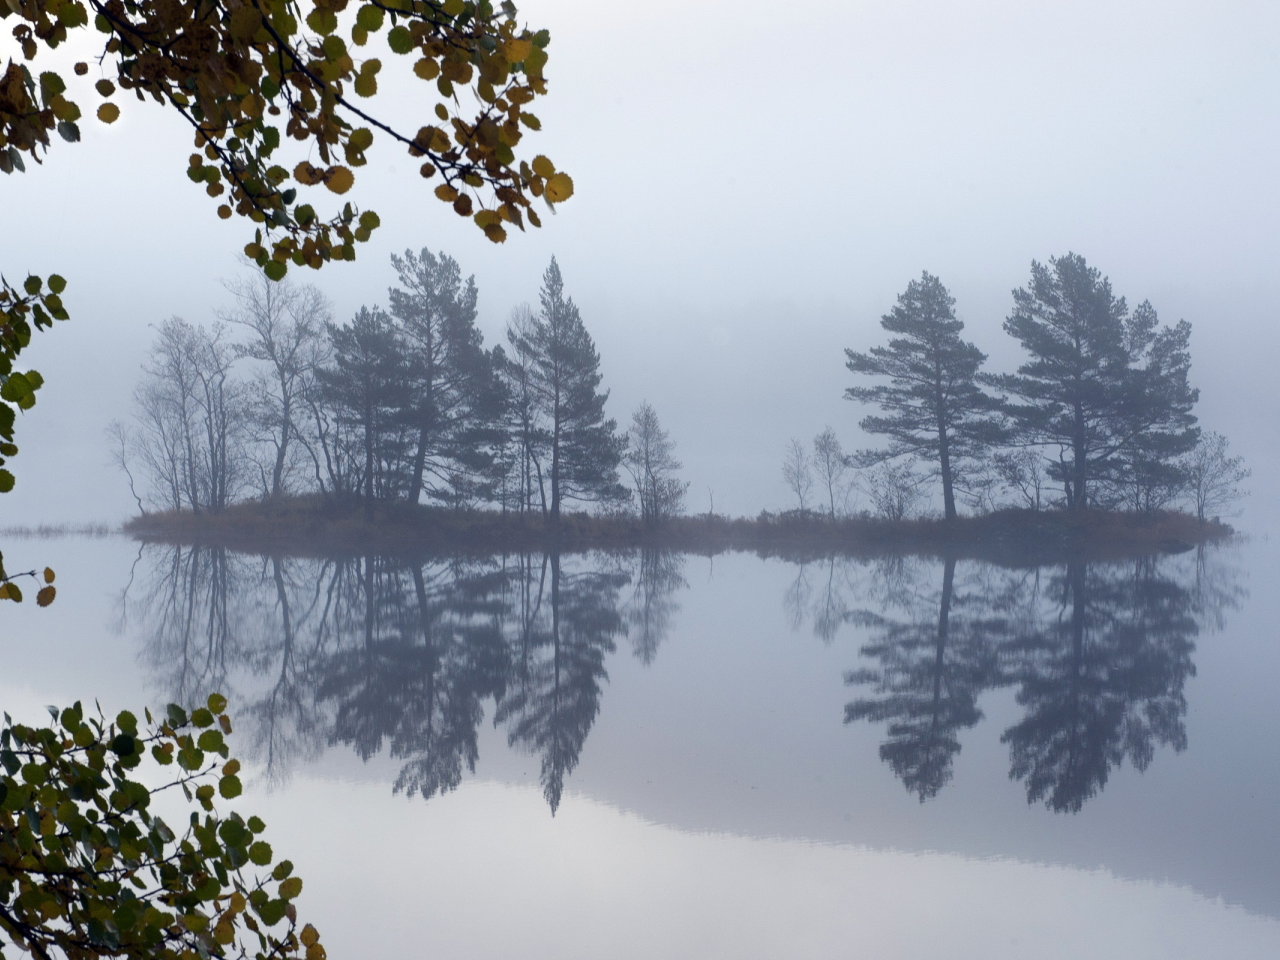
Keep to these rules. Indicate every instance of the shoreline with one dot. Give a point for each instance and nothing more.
(316, 526)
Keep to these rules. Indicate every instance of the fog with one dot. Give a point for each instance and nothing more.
(753, 189)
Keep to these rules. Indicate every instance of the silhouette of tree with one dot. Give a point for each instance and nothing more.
(659, 576)
(929, 675)
(1102, 681)
(554, 695)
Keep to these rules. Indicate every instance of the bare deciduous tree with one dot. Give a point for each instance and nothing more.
(1213, 478)
(797, 473)
(831, 465)
(190, 418)
(894, 489)
(650, 459)
(285, 323)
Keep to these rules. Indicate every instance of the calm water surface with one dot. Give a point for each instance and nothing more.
(662, 755)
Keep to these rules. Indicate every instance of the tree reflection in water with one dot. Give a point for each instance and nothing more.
(402, 656)
(1098, 655)
(376, 653)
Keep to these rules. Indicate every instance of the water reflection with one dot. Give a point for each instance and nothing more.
(406, 657)
(1098, 655)
(380, 654)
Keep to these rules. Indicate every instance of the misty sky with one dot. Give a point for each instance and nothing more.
(754, 188)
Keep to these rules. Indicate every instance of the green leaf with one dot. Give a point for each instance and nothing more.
(272, 912)
(275, 270)
(230, 787)
(370, 18)
(260, 852)
(127, 722)
(400, 40)
(232, 832)
(6, 481)
(202, 717)
(217, 702)
(56, 283)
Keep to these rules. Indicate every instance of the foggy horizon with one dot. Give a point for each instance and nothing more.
(721, 282)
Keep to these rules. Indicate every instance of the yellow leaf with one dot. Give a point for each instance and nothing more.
(426, 69)
(49, 575)
(559, 188)
(224, 932)
(543, 167)
(45, 596)
(517, 50)
(339, 179)
(495, 233)
(486, 218)
(108, 113)
(310, 936)
(308, 174)
(446, 193)
(366, 85)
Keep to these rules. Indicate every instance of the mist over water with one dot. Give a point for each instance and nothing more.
(648, 753)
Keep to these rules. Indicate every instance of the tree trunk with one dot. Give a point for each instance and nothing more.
(368, 464)
(944, 466)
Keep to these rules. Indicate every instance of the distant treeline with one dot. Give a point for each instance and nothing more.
(405, 404)
(402, 403)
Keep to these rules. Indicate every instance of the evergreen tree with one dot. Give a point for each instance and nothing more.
(368, 386)
(448, 368)
(584, 447)
(1106, 387)
(1159, 427)
(934, 409)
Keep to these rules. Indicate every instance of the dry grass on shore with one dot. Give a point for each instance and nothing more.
(316, 526)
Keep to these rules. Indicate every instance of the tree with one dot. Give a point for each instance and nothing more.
(894, 489)
(935, 410)
(190, 418)
(831, 464)
(1157, 422)
(1212, 478)
(517, 373)
(368, 385)
(104, 876)
(583, 446)
(230, 71)
(1106, 387)
(449, 370)
(796, 473)
(285, 323)
(651, 461)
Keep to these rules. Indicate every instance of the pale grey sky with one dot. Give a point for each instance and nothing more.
(754, 187)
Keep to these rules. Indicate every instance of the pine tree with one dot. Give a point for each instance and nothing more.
(584, 447)
(449, 370)
(368, 386)
(1107, 388)
(935, 410)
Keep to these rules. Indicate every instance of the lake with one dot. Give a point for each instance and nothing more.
(665, 755)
